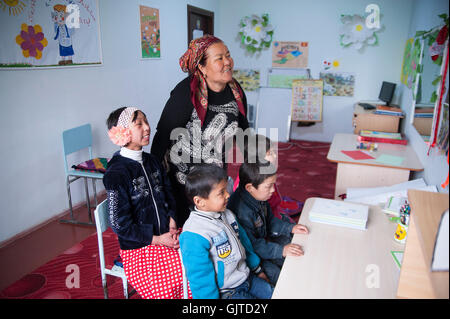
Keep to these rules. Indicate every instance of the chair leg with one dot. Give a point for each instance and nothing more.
(105, 288)
(88, 201)
(69, 196)
(95, 191)
(125, 287)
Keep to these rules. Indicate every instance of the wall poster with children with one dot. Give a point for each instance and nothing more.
(307, 98)
(49, 33)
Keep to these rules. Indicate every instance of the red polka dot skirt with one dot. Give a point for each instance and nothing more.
(155, 272)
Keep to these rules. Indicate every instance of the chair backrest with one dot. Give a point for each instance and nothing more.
(76, 139)
(101, 217)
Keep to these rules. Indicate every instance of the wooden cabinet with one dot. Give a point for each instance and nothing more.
(416, 278)
(367, 120)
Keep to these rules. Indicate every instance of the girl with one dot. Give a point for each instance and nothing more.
(142, 209)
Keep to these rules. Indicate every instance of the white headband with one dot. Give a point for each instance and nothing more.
(126, 116)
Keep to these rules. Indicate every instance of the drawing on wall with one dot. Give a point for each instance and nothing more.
(289, 54)
(307, 97)
(356, 32)
(247, 78)
(411, 58)
(256, 32)
(150, 32)
(50, 33)
(338, 83)
(330, 64)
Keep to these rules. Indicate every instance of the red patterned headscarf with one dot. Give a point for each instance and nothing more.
(199, 89)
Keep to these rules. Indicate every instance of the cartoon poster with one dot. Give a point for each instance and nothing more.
(247, 78)
(338, 83)
(289, 54)
(49, 33)
(150, 32)
(307, 98)
(410, 66)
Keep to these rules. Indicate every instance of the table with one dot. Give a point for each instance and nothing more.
(370, 173)
(368, 120)
(340, 262)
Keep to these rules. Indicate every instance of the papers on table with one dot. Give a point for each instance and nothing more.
(380, 195)
(339, 213)
(440, 255)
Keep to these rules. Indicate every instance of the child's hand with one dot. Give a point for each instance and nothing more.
(263, 275)
(292, 250)
(300, 229)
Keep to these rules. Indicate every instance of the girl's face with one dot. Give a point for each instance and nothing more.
(264, 190)
(218, 69)
(140, 133)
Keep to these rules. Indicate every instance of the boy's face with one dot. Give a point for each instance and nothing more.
(264, 190)
(217, 199)
(140, 133)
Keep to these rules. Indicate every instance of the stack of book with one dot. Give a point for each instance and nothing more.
(381, 137)
(424, 112)
(338, 213)
(388, 110)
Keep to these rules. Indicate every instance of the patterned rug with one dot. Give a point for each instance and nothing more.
(304, 172)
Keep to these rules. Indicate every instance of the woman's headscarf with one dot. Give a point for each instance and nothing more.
(199, 89)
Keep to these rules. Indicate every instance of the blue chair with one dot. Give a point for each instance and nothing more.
(102, 223)
(74, 140)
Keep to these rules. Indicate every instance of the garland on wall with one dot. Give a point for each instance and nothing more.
(256, 32)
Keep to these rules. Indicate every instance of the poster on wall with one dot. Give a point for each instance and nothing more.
(289, 54)
(49, 33)
(150, 32)
(307, 98)
(247, 78)
(411, 59)
(338, 83)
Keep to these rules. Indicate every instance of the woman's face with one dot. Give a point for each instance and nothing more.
(218, 69)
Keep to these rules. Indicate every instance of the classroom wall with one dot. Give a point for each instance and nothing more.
(424, 17)
(318, 22)
(37, 105)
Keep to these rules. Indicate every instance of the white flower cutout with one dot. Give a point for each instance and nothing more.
(356, 32)
(256, 32)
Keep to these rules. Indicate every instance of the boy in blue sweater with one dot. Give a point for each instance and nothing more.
(217, 254)
(270, 236)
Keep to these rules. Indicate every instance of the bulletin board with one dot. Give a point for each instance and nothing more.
(307, 100)
(49, 33)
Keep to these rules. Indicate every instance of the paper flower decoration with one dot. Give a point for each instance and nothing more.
(31, 40)
(120, 135)
(330, 64)
(256, 32)
(355, 32)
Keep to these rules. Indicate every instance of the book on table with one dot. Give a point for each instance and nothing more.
(382, 137)
(338, 213)
(388, 110)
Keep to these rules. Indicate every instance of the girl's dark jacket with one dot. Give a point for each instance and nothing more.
(138, 210)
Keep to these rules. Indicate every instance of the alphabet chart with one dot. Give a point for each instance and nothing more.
(307, 98)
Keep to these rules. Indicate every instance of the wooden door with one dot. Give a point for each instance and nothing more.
(200, 22)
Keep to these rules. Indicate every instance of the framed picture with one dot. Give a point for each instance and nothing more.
(150, 32)
(43, 34)
(289, 54)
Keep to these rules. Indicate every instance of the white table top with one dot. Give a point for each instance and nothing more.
(341, 262)
(347, 142)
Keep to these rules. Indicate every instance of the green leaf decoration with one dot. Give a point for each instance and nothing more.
(433, 97)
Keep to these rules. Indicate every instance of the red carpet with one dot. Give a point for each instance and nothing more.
(304, 172)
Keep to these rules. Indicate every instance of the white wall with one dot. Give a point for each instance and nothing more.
(317, 22)
(424, 17)
(37, 105)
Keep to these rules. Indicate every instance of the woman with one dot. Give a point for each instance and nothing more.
(207, 108)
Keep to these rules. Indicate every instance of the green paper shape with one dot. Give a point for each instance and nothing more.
(390, 160)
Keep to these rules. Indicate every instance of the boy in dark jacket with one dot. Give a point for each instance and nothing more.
(270, 236)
